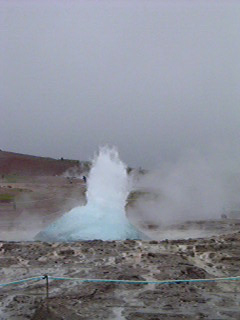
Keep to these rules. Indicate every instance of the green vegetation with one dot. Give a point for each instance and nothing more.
(5, 197)
(11, 178)
(14, 178)
(135, 195)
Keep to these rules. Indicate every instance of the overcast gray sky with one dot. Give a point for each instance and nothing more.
(154, 78)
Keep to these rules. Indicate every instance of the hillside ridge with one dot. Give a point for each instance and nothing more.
(24, 164)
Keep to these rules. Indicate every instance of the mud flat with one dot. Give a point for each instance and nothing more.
(216, 256)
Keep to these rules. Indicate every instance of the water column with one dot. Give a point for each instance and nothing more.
(104, 215)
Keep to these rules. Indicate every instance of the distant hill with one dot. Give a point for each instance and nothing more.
(22, 164)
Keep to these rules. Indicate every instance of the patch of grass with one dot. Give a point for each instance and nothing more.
(135, 195)
(5, 197)
(11, 178)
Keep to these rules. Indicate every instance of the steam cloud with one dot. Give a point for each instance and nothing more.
(195, 187)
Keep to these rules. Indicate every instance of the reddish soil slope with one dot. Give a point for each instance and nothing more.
(21, 164)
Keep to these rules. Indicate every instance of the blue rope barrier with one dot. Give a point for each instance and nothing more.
(176, 281)
(22, 281)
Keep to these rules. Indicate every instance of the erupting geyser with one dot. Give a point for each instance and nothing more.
(104, 215)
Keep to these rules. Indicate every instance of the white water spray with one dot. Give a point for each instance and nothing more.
(104, 215)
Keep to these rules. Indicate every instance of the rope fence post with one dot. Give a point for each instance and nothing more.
(47, 290)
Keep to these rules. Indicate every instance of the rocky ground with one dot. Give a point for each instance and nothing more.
(216, 256)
